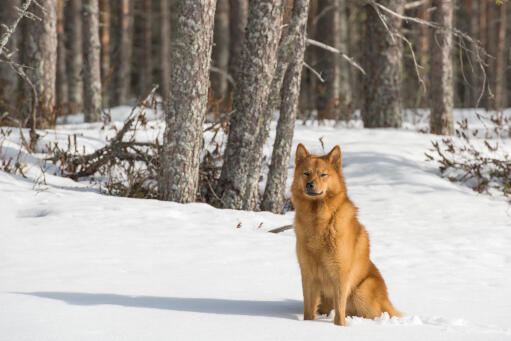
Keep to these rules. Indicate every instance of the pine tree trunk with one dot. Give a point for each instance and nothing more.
(164, 49)
(382, 102)
(237, 24)
(73, 27)
(501, 62)
(40, 55)
(220, 54)
(8, 78)
(441, 84)
(147, 63)
(92, 68)
(122, 57)
(274, 193)
(258, 63)
(104, 38)
(190, 60)
(62, 86)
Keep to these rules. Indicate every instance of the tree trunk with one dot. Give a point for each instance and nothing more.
(8, 78)
(73, 27)
(220, 54)
(274, 193)
(164, 49)
(501, 62)
(334, 96)
(40, 55)
(382, 102)
(147, 63)
(92, 69)
(238, 23)
(104, 38)
(253, 86)
(122, 57)
(441, 88)
(62, 86)
(190, 60)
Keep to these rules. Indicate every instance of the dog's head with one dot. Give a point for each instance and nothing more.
(317, 176)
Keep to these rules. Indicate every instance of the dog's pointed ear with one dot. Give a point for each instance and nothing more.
(335, 157)
(301, 153)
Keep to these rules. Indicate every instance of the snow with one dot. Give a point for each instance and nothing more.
(76, 264)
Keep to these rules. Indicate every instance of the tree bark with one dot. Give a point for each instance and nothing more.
(122, 57)
(62, 86)
(92, 55)
(147, 63)
(190, 60)
(441, 84)
(8, 78)
(73, 27)
(501, 62)
(40, 54)
(237, 24)
(382, 102)
(220, 54)
(104, 38)
(164, 49)
(258, 63)
(274, 193)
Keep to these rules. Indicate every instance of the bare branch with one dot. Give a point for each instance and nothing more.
(317, 74)
(4, 39)
(334, 50)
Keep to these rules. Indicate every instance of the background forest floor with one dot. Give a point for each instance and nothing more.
(80, 265)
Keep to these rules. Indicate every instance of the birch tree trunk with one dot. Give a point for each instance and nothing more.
(92, 55)
(40, 54)
(190, 60)
(382, 102)
(441, 84)
(8, 78)
(73, 26)
(274, 193)
(258, 63)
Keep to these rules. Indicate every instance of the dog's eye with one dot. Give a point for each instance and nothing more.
(323, 175)
(306, 173)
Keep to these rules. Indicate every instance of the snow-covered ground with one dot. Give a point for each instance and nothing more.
(79, 265)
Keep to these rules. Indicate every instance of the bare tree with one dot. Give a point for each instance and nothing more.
(92, 70)
(274, 193)
(382, 102)
(257, 69)
(122, 56)
(190, 60)
(8, 78)
(147, 61)
(62, 86)
(502, 61)
(39, 53)
(164, 49)
(441, 83)
(237, 24)
(73, 27)
(220, 54)
(104, 38)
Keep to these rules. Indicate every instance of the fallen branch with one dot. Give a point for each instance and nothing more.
(281, 229)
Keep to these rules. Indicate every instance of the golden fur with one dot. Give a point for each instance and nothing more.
(331, 244)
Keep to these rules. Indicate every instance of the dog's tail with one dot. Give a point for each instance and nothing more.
(388, 307)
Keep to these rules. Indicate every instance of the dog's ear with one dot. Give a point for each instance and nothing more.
(335, 157)
(301, 153)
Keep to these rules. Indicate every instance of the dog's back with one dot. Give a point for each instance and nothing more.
(332, 246)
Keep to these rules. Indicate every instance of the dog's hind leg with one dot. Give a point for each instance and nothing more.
(326, 305)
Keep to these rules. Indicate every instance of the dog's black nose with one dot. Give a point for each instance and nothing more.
(309, 186)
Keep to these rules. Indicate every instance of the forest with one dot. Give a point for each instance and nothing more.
(148, 150)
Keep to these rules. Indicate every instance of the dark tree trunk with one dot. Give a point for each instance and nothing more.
(8, 78)
(164, 49)
(190, 60)
(501, 60)
(104, 38)
(382, 102)
(147, 56)
(40, 55)
(92, 69)
(73, 27)
(62, 86)
(220, 54)
(253, 86)
(274, 193)
(441, 84)
(122, 56)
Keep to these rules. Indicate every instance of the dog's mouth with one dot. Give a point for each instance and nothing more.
(313, 194)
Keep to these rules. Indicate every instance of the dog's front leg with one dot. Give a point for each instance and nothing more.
(341, 293)
(311, 291)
